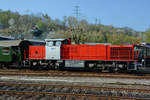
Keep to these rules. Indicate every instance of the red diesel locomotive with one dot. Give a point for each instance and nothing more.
(60, 54)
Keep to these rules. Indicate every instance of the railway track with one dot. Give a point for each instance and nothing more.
(70, 96)
(28, 72)
(74, 87)
(69, 92)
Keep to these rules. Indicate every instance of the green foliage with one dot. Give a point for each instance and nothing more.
(41, 27)
(147, 33)
(122, 39)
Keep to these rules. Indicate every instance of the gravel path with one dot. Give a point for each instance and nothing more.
(102, 82)
(77, 80)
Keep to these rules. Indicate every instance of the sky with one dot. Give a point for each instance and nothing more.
(119, 13)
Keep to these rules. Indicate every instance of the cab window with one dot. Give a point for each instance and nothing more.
(53, 43)
(49, 43)
(140, 50)
(58, 43)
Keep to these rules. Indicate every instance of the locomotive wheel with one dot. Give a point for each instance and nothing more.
(32, 66)
(111, 70)
(86, 66)
(61, 68)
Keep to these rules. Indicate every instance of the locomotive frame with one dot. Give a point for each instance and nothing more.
(61, 54)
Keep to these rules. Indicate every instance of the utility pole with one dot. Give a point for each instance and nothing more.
(99, 21)
(96, 20)
(77, 11)
(77, 31)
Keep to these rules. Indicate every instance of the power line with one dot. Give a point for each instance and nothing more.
(77, 11)
(97, 21)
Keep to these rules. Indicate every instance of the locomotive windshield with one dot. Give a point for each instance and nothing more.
(139, 51)
(49, 43)
(57, 42)
(148, 51)
(53, 43)
(142, 51)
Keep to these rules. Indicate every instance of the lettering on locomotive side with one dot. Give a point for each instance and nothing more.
(53, 48)
(74, 63)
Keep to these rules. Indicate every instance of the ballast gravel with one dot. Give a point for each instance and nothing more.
(85, 81)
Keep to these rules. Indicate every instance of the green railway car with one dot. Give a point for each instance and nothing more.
(5, 54)
(14, 53)
(10, 53)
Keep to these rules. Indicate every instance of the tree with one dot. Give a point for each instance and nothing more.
(147, 34)
(72, 22)
(41, 25)
(36, 32)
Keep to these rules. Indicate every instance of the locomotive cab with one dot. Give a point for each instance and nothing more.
(142, 55)
(53, 48)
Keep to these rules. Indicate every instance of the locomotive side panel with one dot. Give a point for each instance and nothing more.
(84, 52)
(52, 52)
(121, 52)
(36, 52)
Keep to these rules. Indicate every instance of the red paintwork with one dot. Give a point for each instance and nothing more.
(98, 52)
(36, 52)
(84, 52)
(120, 52)
(88, 52)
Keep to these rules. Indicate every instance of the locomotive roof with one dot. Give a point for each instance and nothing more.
(37, 42)
(7, 43)
(10, 42)
(55, 39)
(96, 43)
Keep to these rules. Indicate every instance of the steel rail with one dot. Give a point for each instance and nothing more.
(75, 87)
(69, 95)
(71, 74)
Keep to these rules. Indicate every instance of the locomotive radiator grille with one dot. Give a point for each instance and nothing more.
(121, 53)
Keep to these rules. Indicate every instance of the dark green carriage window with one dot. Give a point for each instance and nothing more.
(5, 51)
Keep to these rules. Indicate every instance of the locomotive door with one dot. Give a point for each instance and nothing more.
(53, 50)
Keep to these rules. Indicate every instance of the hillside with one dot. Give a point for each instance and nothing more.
(43, 26)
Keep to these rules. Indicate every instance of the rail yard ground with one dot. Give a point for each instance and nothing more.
(29, 86)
